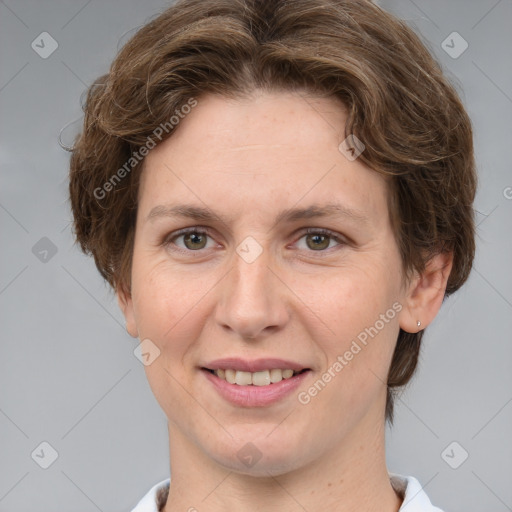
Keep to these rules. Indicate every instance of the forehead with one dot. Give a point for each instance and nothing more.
(273, 119)
(260, 152)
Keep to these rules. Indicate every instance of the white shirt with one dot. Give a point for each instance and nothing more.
(415, 499)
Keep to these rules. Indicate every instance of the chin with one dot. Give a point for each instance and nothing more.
(267, 466)
(259, 455)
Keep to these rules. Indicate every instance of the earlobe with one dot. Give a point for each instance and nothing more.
(425, 293)
(124, 299)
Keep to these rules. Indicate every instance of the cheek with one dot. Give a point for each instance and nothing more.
(352, 300)
(358, 351)
(161, 294)
(357, 312)
(166, 307)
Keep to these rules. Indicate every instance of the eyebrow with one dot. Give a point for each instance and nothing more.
(198, 213)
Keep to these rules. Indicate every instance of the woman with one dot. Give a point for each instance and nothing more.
(281, 196)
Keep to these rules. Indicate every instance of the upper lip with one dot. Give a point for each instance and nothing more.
(255, 365)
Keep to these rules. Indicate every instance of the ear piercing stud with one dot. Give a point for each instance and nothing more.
(418, 323)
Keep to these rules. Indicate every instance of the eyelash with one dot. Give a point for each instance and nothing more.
(169, 240)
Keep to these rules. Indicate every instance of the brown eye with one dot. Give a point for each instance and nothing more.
(195, 240)
(189, 240)
(317, 241)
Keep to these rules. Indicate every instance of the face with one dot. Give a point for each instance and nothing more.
(260, 246)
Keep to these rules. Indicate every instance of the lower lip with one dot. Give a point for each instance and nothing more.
(255, 396)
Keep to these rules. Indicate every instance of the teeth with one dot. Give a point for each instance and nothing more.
(276, 376)
(230, 375)
(243, 378)
(263, 378)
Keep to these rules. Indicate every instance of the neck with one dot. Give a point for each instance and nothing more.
(349, 477)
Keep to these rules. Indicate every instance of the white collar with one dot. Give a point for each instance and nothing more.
(415, 498)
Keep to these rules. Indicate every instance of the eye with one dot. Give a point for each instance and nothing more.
(194, 239)
(318, 239)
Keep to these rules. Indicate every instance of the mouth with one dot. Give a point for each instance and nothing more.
(258, 383)
(260, 378)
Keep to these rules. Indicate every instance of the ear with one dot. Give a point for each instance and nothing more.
(425, 293)
(124, 299)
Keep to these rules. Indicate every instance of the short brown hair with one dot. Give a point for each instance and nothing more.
(410, 118)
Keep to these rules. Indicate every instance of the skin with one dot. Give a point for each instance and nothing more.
(249, 159)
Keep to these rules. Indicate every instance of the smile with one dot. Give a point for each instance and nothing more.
(260, 378)
(254, 389)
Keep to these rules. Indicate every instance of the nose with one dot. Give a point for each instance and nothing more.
(252, 301)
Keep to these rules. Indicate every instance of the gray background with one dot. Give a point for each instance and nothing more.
(68, 375)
